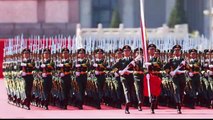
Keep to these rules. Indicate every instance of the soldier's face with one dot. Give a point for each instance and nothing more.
(193, 55)
(119, 55)
(127, 52)
(207, 55)
(46, 55)
(99, 55)
(81, 55)
(65, 55)
(26, 55)
(177, 52)
(151, 51)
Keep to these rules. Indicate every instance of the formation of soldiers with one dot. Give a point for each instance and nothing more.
(95, 77)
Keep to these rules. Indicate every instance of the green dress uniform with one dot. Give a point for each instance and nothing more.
(194, 74)
(81, 67)
(99, 67)
(138, 79)
(65, 74)
(27, 66)
(47, 66)
(179, 79)
(127, 78)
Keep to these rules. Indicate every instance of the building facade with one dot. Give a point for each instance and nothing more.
(51, 17)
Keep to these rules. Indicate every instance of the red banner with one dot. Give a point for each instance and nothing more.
(155, 85)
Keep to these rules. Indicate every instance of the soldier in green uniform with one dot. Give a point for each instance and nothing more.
(117, 82)
(154, 68)
(178, 75)
(81, 67)
(194, 73)
(138, 77)
(47, 66)
(99, 67)
(27, 66)
(125, 69)
(65, 73)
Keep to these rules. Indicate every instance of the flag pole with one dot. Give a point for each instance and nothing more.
(144, 43)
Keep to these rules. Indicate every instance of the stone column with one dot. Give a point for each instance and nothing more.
(41, 11)
(86, 13)
(74, 11)
(128, 13)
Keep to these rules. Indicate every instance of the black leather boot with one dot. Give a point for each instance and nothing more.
(139, 107)
(127, 109)
(179, 108)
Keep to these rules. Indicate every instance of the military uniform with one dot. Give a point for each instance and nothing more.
(138, 78)
(178, 77)
(154, 68)
(117, 80)
(99, 67)
(194, 74)
(125, 70)
(65, 73)
(27, 66)
(81, 67)
(47, 66)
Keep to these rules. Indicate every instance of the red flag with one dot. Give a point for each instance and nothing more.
(155, 85)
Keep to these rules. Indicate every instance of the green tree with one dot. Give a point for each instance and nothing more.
(115, 21)
(178, 14)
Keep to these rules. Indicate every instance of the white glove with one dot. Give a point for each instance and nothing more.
(43, 65)
(183, 63)
(205, 65)
(37, 67)
(61, 65)
(139, 57)
(15, 67)
(77, 65)
(172, 73)
(95, 65)
(147, 63)
(121, 72)
(23, 64)
(62, 74)
(148, 76)
(210, 66)
(190, 74)
(181, 71)
(44, 75)
(210, 73)
(116, 74)
(77, 74)
(96, 73)
(206, 74)
(23, 74)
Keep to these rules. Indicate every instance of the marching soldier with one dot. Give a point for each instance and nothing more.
(154, 67)
(117, 82)
(27, 66)
(175, 67)
(194, 74)
(81, 67)
(99, 67)
(47, 66)
(65, 73)
(125, 69)
(138, 77)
